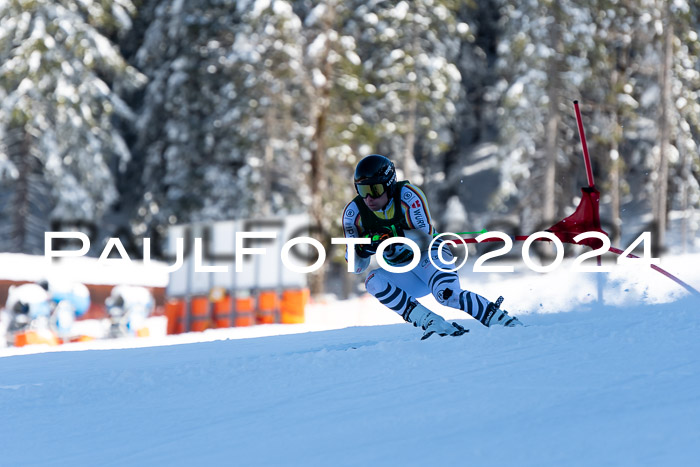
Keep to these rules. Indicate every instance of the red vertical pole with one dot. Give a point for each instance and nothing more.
(586, 157)
(591, 184)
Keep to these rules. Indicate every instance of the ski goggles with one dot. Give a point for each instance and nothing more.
(375, 190)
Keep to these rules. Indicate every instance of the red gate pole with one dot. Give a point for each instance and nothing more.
(584, 146)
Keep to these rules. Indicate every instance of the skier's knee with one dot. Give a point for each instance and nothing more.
(443, 295)
(376, 282)
(449, 296)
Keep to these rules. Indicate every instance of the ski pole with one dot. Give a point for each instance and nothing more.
(482, 231)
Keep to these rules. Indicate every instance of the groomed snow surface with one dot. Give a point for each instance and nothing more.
(585, 383)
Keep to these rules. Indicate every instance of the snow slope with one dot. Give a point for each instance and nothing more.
(601, 385)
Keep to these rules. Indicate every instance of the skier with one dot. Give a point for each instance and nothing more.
(385, 208)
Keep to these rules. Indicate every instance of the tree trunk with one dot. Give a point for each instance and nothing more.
(661, 202)
(410, 168)
(553, 119)
(686, 175)
(320, 103)
(265, 201)
(615, 194)
(552, 142)
(615, 163)
(318, 188)
(21, 208)
(409, 159)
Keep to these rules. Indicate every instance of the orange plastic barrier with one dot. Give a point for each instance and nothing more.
(199, 314)
(222, 312)
(244, 312)
(292, 306)
(43, 336)
(267, 307)
(175, 312)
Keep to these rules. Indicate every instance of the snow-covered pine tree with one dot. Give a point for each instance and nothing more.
(650, 104)
(410, 51)
(223, 119)
(684, 154)
(25, 198)
(180, 130)
(269, 116)
(475, 130)
(333, 95)
(542, 58)
(56, 111)
(609, 92)
(612, 56)
(687, 177)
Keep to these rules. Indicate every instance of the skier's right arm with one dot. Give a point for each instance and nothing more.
(352, 227)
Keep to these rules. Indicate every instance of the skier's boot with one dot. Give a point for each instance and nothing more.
(430, 322)
(494, 315)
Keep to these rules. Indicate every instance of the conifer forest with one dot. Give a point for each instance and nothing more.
(130, 116)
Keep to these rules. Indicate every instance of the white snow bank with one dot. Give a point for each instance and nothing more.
(20, 267)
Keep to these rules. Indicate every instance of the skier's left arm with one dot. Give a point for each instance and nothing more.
(415, 207)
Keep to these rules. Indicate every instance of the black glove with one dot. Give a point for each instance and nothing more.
(365, 251)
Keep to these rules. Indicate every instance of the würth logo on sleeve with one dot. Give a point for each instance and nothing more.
(416, 204)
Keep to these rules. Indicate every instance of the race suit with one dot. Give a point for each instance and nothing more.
(409, 214)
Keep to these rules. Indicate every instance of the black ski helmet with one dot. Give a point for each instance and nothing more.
(374, 175)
